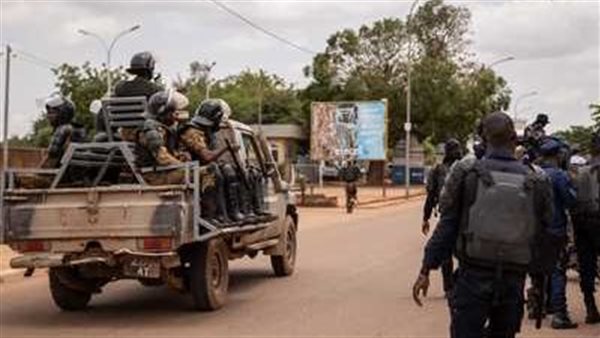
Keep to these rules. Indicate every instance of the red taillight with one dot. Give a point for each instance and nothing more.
(32, 246)
(157, 244)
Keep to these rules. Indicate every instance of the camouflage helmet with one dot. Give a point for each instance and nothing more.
(62, 107)
(211, 112)
(165, 102)
(141, 63)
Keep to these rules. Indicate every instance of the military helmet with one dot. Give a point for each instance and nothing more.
(542, 119)
(62, 107)
(141, 62)
(212, 111)
(165, 102)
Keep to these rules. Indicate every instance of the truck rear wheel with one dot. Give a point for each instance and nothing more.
(284, 265)
(65, 297)
(209, 275)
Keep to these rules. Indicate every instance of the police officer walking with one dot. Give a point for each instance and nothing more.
(435, 182)
(551, 150)
(586, 224)
(491, 210)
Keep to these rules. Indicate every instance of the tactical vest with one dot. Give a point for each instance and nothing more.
(588, 190)
(155, 135)
(500, 224)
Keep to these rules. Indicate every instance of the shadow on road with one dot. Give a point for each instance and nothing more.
(128, 303)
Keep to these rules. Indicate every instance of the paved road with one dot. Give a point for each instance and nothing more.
(353, 279)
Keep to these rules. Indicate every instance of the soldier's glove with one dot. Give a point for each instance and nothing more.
(425, 227)
(420, 287)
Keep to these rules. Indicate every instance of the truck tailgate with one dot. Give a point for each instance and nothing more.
(96, 213)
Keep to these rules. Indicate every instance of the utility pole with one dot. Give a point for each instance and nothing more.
(260, 98)
(4, 140)
(408, 124)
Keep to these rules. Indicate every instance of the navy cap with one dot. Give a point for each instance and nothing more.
(551, 146)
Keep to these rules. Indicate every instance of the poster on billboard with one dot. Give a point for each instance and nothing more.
(342, 130)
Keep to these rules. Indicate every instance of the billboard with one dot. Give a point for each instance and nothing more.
(348, 130)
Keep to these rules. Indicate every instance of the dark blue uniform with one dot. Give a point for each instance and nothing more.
(435, 183)
(564, 198)
(482, 294)
(587, 240)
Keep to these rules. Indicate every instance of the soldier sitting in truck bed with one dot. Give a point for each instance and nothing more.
(197, 137)
(59, 112)
(157, 140)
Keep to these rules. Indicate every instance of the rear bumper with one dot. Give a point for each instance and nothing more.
(112, 259)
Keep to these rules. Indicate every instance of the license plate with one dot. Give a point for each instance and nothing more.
(142, 268)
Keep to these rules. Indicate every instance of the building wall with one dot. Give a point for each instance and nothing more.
(22, 157)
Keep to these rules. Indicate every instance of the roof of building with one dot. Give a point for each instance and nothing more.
(289, 131)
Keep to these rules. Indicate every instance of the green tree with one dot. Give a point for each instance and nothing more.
(245, 93)
(82, 84)
(449, 91)
(578, 135)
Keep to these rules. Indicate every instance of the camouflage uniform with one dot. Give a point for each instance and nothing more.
(157, 147)
(196, 139)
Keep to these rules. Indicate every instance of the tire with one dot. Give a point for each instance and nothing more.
(65, 297)
(151, 282)
(209, 275)
(285, 264)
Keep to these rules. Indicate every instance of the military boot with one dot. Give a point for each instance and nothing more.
(233, 206)
(562, 321)
(593, 316)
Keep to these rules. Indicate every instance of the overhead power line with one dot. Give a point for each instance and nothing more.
(32, 58)
(262, 29)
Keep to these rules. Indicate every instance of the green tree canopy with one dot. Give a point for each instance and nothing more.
(82, 84)
(246, 93)
(449, 91)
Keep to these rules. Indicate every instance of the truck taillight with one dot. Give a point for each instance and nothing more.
(33, 246)
(156, 243)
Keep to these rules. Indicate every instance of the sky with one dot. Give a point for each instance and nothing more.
(555, 44)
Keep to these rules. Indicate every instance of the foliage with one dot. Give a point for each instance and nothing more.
(578, 135)
(82, 84)
(449, 92)
(246, 92)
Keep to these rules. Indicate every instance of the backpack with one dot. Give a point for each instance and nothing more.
(588, 189)
(501, 224)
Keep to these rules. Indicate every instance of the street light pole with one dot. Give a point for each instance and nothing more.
(108, 49)
(518, 100)
(208, 70)
(408, 125)
(502, 60)
(5, 140)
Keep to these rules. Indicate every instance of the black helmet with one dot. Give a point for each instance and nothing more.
(452, 149)
(62, 107)
(141, 63)
(542, 119)
(164, 102)
(211, 112)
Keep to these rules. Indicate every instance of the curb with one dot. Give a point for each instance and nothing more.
(383, 202)
(11, 275)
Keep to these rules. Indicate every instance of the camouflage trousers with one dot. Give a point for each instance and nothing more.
(33, 181)
(169, 177)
